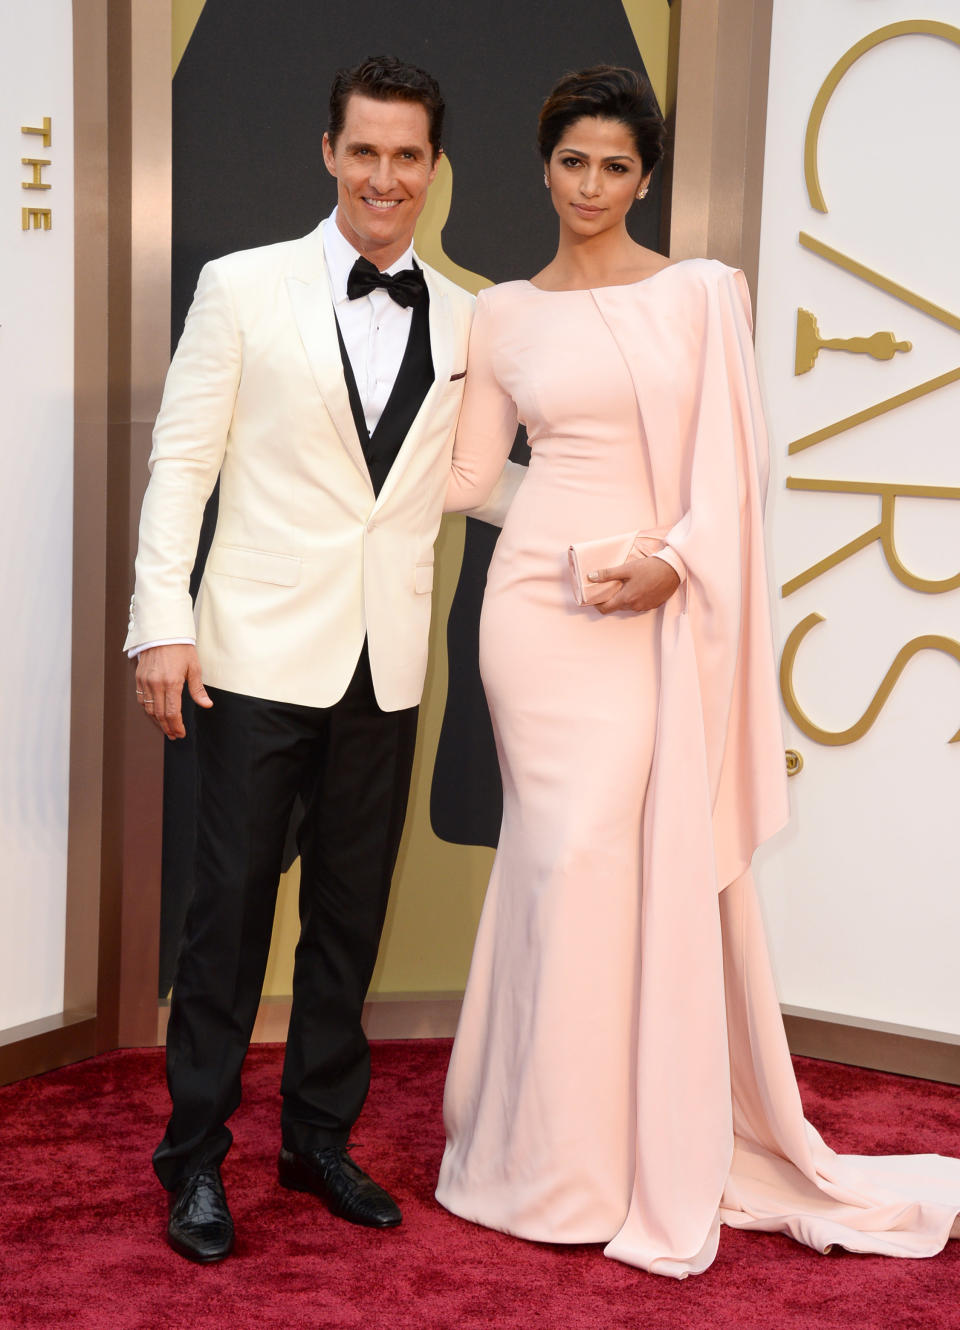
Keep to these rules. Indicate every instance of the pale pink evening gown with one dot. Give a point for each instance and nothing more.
(620, 1073)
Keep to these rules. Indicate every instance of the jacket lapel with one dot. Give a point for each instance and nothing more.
(441, 348)
(309, 292)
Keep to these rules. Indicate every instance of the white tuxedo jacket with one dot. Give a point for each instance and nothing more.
(305, 560)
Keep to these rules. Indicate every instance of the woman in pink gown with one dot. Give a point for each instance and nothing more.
(620, 1073)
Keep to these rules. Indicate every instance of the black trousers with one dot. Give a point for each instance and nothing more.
(351, 763)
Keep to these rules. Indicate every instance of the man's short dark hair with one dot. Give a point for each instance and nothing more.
(386, 79)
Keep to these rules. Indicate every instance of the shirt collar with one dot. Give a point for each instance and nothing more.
(340, 257)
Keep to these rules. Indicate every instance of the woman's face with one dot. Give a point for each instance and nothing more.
(594, 173)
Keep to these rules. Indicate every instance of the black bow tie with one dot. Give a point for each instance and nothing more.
(406, 287)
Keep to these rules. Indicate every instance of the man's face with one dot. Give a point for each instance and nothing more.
(383, 164)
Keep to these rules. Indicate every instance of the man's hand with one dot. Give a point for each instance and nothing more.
(161, 673)
(644, 584)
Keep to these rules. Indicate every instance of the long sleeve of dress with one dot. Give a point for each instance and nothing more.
(487, 426)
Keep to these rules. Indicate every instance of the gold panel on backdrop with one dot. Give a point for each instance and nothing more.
(650, 24)
(183, 20)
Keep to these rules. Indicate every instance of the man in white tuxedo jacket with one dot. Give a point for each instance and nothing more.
(321, 380)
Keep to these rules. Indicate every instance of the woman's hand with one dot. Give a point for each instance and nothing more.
(644, 584)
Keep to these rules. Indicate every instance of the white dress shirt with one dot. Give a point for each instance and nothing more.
(375, 330)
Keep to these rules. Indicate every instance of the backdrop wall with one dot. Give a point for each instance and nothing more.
(36, 529)
(860, 891)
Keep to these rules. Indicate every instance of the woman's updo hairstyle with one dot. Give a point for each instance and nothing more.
(610, 93)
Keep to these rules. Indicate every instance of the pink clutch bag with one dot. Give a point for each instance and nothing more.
(587, 556)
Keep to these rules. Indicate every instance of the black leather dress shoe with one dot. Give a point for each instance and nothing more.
(344, 1188)
(200, 1227)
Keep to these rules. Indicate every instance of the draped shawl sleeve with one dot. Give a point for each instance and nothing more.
(717, 785)
(686, 339)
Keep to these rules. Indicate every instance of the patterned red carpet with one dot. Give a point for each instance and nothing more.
(81, 1222)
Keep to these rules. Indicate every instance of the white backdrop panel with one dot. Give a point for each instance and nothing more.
(862, 891)
(36, 555)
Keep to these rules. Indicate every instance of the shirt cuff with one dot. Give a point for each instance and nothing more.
(134, 652)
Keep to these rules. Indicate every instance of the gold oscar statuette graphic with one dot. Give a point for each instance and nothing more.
(880, 345)
(899, 292)
(835, 738)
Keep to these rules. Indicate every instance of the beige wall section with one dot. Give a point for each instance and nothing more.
(723, 61)
(142, 353)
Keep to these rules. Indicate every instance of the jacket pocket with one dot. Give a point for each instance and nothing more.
(423, 578)
(255, 565)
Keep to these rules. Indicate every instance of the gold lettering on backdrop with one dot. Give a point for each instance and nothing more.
(909, 297)
(835, 738)
(906, 28)
(883, 531)
(871, 412)
(808, 345)
(810, 342)
(43, 130)
(38, 163)
(39, 217)
(878, 280)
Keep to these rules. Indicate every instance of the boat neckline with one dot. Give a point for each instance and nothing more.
(613, 286)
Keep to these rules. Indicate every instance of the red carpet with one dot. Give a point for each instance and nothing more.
(81, 1222)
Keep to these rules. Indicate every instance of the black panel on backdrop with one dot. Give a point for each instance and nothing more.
(249, 111)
